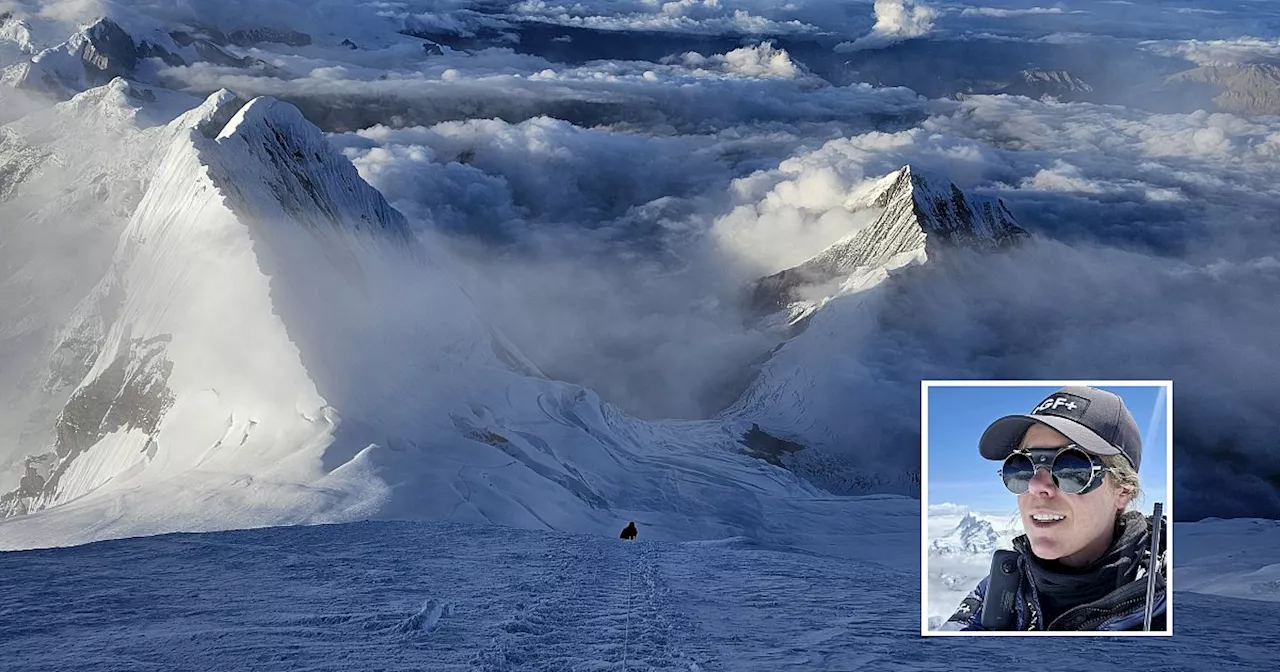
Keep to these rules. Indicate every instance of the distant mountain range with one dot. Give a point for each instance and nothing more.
(1247, 88)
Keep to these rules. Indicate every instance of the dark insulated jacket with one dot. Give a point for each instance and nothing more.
(1122, 609)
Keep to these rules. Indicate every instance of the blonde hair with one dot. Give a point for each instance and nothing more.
(1124, 475)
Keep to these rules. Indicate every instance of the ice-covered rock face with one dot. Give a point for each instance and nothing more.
(104, 50)
(15, 37)
(919, 217)
(289, 165)
(108, 52)
(1053, 82)
(18, 161)
(92, 57)
(129, 396)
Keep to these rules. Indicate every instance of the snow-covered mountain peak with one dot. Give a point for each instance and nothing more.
(107, 47)
(970, 523)
(112, 108)
(947, 214)
(939, 208)
(211, 115)
(15, 34)
(920, 215)
(92, 56)
(829, 305)
(1054, 80)
(200, 314)
(972, 536)
(119, 101)
(278, 163)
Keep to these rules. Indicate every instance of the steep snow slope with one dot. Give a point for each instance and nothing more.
(188, 353)
(185, 280)
(1232, 558)
(412, 596)
(70, 177)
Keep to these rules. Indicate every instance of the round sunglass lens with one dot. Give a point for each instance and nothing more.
(1017, 473)
(1072, 470)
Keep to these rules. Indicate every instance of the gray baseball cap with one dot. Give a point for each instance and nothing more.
(1096, 420)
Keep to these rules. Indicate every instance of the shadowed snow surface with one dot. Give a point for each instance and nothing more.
(439, 596)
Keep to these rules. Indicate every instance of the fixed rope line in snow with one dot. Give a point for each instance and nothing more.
(626, 636)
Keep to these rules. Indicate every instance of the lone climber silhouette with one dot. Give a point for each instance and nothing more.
(628, 532)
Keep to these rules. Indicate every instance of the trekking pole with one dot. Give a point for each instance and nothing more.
(1156, 525)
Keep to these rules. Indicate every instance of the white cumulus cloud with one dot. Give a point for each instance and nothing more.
(896, 20)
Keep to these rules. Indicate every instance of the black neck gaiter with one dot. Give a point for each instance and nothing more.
(1062, 587)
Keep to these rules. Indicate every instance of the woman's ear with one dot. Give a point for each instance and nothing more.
(1124, 495)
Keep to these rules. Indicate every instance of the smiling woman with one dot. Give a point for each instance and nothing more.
(1068, 515)
(1084, 560)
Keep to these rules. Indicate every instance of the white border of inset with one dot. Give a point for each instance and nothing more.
(924, 503)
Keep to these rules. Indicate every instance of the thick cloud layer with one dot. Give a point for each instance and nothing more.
(1220, 52)
(1165, 267)
(685, 16)
(1092, 19)
(585, 246)
(1055, 312)
(687, 93)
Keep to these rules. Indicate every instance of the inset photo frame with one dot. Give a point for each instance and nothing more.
(1041, 504)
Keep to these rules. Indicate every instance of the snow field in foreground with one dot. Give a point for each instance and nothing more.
(433, 596)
